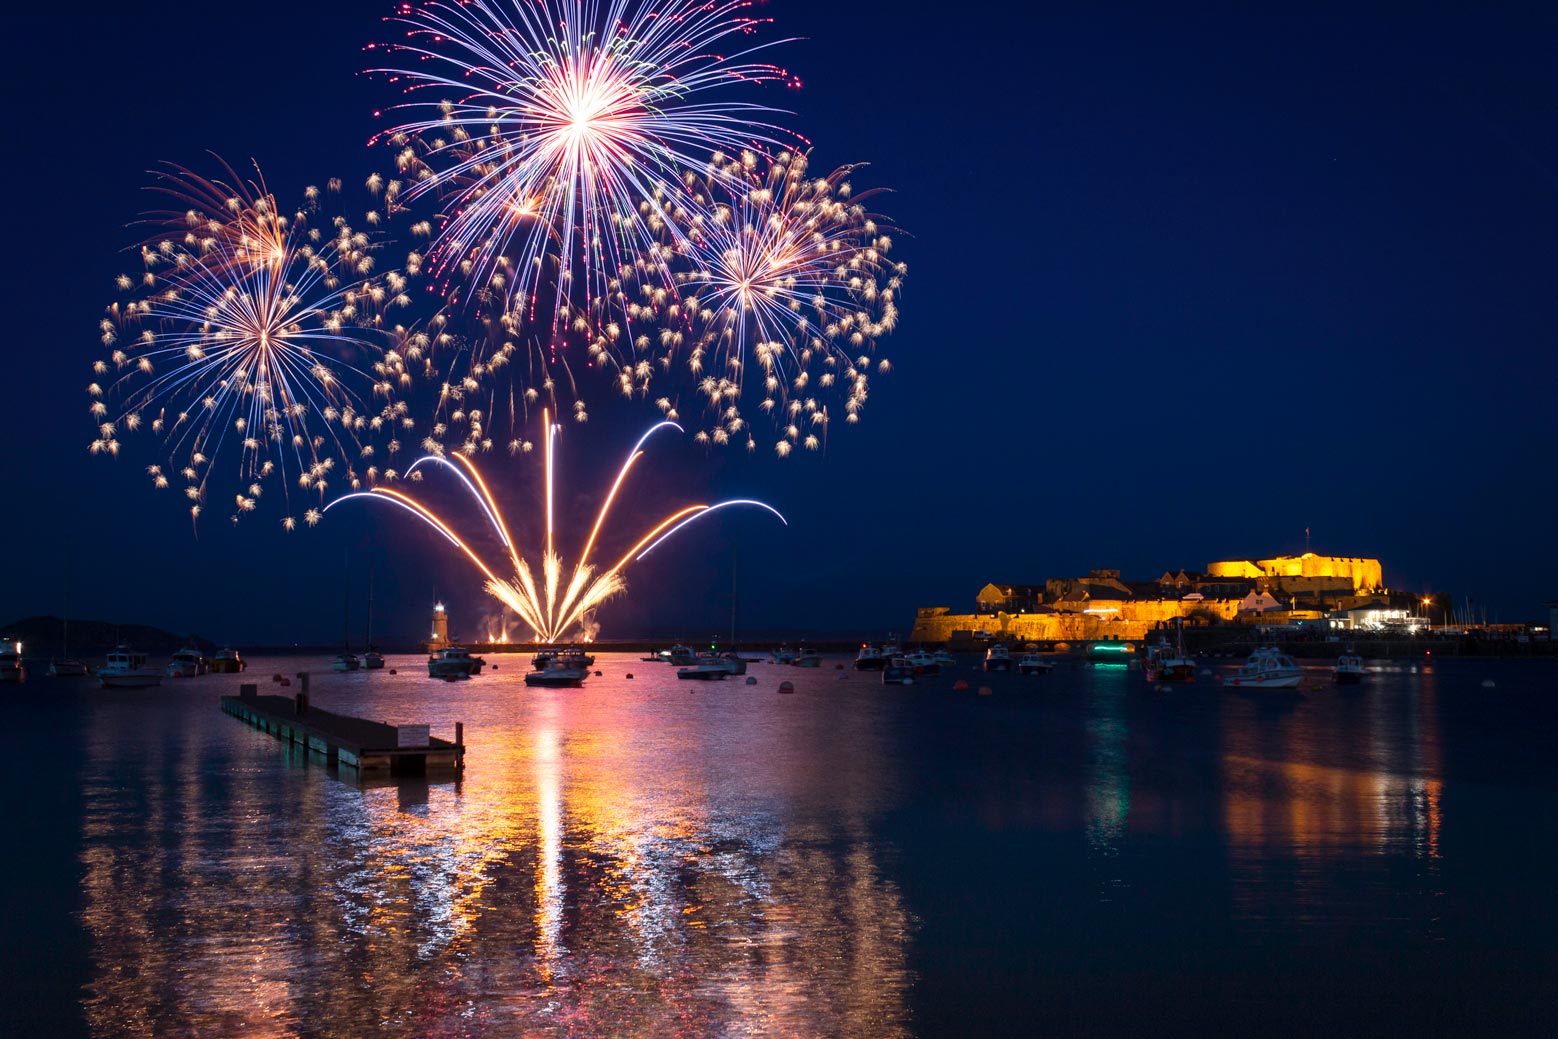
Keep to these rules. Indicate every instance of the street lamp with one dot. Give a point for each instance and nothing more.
(1427, 602)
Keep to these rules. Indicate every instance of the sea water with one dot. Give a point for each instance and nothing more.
(1078, 853)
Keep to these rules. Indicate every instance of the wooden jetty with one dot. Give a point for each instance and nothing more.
(370, 748)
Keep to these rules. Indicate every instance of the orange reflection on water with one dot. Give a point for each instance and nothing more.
(629, 866)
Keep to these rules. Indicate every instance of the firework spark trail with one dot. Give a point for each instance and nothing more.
(588, 587)
(247, 319)
(549, 127)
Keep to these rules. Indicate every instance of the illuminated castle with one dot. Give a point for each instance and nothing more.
(1285, 589)
(1307, 573)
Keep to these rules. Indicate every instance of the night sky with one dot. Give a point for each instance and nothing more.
(1179, 287)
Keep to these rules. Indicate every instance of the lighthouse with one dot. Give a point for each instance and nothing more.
(440, 634)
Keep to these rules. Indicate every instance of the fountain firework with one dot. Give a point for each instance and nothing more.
(545, 601)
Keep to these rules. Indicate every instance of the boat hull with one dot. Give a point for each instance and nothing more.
(702, 674)
(68, 669)
(1347, 677)
(559, 678)
(870, 663)
(227, 667)
(129, 681)
(1267, 682)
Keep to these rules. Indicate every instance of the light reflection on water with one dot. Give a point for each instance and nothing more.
(634, 859)
(644, 858)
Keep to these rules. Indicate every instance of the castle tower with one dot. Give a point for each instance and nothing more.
(440, 636)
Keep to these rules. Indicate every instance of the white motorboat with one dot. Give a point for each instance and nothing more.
(11, 661)
(998, 658)
(783, 655)
(898, 672)
(453, 662)
(67, 669)
(1268, 668)
(870, 658)
(345, 662)
(944, 658)
(1349, 670)
(924, 663)
(1034, 664)
(126, 669)
(806, 657)
(558, 674)
(186, 663)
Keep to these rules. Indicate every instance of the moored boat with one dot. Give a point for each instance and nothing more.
(227, 661)
(806, 657)
(345, 662)
(372, 660)
(1034, 664)
(1349, 670)
(945, 658)
(67, 669)
(557, 675)
(898, 672)
(782, 655)
(453, 662)
(870, 658)
(126, 669)
(1268, 668)
(11, 661)
(186, 663)
(712, 666)
(570, 656)
(998, 658)
(924, 663)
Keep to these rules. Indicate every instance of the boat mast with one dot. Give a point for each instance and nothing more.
(735, 560)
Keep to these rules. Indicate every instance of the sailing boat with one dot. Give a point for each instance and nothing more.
(372, 659)
(66, 667)
(347, 660)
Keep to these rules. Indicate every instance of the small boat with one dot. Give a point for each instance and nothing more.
(227, 661)
(557, 674)
(1349, 670)
(126, 669)
(783, 655)
(186, 663)
(372, 660)
(11, 661)
(453, 662)
(923, 663)
(1166, 663)
(806, 657)
(708, 668)
(945, 658)
(1268, 668)
(1034, 664)
(345, 662)
(998, 658)
(69, 667)
(572, 656)
(870, 658)
(681, 655)
(898, 672)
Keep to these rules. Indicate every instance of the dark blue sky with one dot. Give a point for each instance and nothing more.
(1179, 287)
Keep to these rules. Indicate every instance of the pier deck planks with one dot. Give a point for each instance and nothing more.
(357, 743)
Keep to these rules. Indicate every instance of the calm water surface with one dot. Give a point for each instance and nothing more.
(1077, 854)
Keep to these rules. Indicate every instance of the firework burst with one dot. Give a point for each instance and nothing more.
(543, 125)
(255, 342)
(541, 596)
(789, 287)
